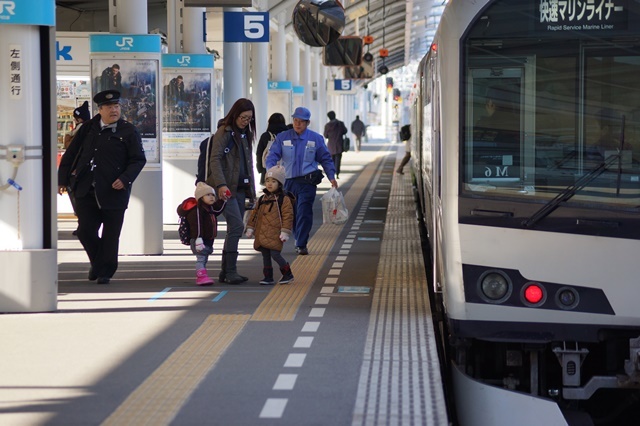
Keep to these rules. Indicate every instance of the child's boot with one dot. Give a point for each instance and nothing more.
(268, 276)
(287, 276)
(202, 278)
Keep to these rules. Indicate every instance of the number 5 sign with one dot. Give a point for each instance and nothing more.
(246, 27)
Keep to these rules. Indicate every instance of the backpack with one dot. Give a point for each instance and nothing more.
(184, 230)
(266, 150)
(292, 198)
(205, 154)
(405, 132)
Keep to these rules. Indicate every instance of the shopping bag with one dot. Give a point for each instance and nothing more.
(334, 209)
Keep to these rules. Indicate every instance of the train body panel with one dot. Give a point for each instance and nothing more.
(581, 261)
(526, 152)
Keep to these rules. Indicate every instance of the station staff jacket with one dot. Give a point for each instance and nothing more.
(97, 157)
(301, 154)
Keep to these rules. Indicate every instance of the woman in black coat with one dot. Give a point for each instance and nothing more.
(276, 124)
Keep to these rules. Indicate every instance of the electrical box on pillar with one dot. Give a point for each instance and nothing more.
(28, 257)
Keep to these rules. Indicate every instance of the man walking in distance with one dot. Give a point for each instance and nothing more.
(100, 166)
(358, 129)
(301, 150)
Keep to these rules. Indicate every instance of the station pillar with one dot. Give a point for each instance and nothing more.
(28, 181)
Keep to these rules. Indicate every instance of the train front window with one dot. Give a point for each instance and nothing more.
(543, 115)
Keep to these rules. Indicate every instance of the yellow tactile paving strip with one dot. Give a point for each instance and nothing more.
(283, 301)
(157, 400)
(400, 361)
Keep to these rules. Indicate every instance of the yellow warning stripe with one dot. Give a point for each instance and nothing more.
(157, 400)
(283, 301)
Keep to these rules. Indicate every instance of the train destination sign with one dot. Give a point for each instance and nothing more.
(577, 15)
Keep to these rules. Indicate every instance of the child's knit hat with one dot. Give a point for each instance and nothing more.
(203, 189)
(276, 172)
(83, 112)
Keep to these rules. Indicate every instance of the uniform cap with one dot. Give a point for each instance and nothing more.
(107, 97)
(302, 113)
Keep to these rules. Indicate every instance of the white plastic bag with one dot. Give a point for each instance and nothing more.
(334, 210)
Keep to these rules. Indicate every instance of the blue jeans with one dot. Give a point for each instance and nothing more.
(233, 213)
(201, 257)
(305, 196)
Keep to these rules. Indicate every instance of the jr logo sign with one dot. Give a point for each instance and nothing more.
(7, 8)
(126, 43)
(184, 61)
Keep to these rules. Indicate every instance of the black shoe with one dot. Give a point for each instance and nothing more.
(234, 278)
(92, 276)
(103, 280)
(302, 251)
(400, 172)
(75, 232)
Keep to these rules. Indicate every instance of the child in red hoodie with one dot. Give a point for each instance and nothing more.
(201, 213)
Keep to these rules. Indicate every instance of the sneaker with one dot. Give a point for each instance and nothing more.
(286, 279)
(302, 251)
(267, 281)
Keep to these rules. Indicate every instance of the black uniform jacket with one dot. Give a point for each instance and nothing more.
(96, 158)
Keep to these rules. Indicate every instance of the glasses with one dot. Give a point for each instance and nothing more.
(245, 117)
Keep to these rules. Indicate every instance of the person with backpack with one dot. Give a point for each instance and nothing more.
(201, 215)
(334, 131)
(271, 223)
(275, 125)
(230, 173)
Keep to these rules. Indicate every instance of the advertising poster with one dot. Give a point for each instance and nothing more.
(70, 94)
(187, 111)
(136, 80)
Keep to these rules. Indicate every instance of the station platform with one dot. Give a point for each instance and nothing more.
(349, 342)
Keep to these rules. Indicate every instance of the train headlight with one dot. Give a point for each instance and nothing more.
(494, 286)
(533, 294)
(567, 298)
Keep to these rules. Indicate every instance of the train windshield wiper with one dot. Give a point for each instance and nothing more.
(570, 191)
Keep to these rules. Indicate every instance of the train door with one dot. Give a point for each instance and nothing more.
(500, 112)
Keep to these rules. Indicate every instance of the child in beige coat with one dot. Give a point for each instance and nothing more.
(271, 223)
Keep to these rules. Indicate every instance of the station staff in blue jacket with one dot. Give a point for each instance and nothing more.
(99, 167)
(301, 150)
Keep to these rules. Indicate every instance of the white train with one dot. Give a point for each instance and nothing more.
(526, 155)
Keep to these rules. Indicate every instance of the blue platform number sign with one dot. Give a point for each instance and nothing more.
(341, 85)
(246, 27)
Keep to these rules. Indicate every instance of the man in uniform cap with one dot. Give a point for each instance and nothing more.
(99, 167)
(294, 147)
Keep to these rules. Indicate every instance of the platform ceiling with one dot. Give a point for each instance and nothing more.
(403, 27)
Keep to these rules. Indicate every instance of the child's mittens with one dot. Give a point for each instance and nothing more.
(283, 237)
(249, 233)
(199, 244)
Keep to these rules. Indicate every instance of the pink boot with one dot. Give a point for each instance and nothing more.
(202, 278)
